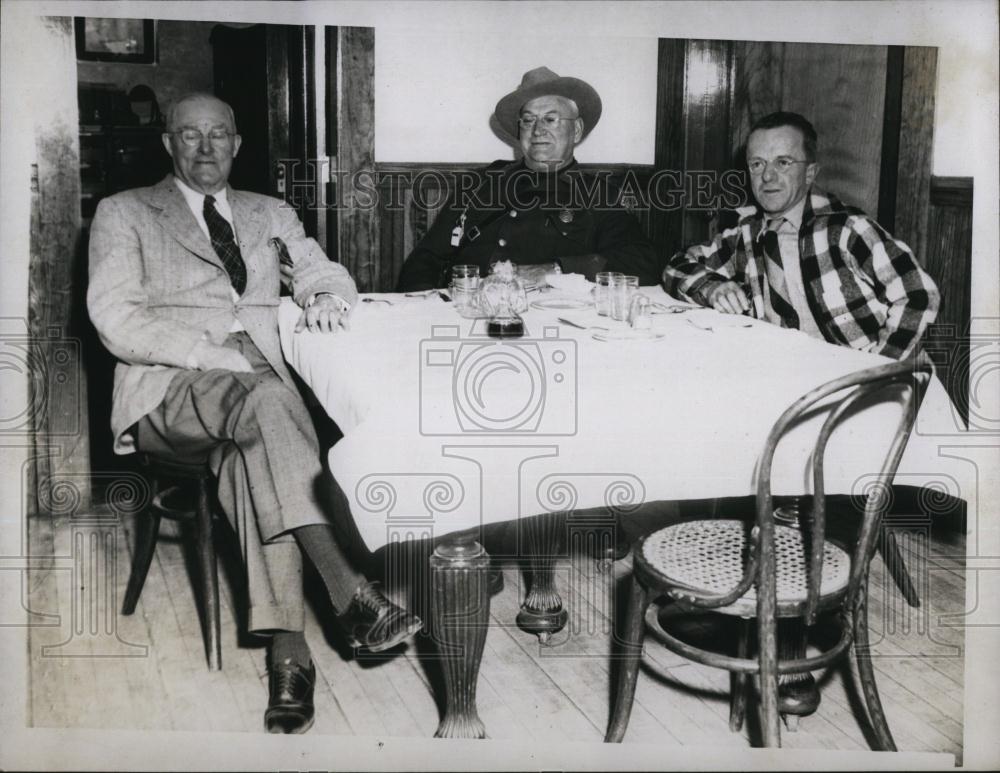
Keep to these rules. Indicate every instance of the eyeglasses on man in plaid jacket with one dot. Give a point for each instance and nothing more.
(864, 287)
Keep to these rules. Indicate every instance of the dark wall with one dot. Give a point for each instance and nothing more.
(184, 63)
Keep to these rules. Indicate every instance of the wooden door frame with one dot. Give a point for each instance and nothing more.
(908, 129)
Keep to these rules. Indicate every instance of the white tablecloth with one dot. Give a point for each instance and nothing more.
(445, 428)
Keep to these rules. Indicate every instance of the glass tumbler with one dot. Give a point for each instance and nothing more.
(602, 299)
(639, 312)
(620, 293)
(464, 288)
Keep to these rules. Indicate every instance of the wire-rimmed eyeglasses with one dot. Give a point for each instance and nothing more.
(781, 164)
(192, 137)
(549, 121)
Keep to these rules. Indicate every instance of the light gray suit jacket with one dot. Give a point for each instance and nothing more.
(157, 286)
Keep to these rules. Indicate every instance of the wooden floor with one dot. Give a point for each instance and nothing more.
(526, 691)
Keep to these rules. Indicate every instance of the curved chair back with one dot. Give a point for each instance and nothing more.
(906, 380)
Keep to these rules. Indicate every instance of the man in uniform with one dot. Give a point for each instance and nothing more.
(184, 285)
(802, 259)
(541, 212)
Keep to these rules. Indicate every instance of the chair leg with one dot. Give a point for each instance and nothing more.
(862, 651)
(896, 567)
(628, 668)
(767, 645)
(147, 526)
(209, 578)
(738, 683)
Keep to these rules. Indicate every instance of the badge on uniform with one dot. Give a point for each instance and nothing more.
(458, 231)
(566, 216)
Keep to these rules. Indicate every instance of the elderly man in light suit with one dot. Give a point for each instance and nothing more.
(184, 286)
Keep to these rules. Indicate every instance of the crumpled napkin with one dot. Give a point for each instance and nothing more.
(570, 284)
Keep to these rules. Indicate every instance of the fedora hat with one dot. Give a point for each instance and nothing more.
(542, 82)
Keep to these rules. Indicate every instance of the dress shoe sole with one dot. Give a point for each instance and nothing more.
(399, 638)
(277, 727)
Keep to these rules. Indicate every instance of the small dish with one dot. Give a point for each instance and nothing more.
(562, 304)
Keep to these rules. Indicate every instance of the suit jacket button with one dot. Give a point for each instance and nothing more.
(502, 242)
(513, 213)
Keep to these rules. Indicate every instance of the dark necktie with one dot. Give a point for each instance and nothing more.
(776, 275)
(224, 244)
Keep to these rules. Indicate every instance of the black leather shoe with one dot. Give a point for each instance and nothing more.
(290, 704)
(798, 694)
(374, 622)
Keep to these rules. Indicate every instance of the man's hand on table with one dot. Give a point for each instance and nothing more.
(325, 314)
(206, 356)
(728, 297)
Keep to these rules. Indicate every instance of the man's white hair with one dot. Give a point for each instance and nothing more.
(196, 95)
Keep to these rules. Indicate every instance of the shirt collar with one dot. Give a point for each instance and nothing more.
(793, 216)
(196, 200)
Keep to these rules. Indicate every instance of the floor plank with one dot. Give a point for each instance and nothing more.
(555, 693)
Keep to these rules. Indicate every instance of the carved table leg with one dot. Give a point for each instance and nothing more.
(542, 612)
(460, 614)
(798, 694)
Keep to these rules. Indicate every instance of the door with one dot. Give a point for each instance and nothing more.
(265, 72)
(872, 107)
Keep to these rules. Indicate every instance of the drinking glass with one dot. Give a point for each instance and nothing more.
(620, 292)
(464, 287)
(601, 298)
(639, 312)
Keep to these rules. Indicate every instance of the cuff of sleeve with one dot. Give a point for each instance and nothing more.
(700, 288)
(344, 305)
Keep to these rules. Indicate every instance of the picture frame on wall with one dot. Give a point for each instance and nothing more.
(115, 40)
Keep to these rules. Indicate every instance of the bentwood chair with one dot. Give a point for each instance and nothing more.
(164, 503)
(772, 571)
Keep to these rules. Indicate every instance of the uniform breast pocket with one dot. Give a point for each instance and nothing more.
(574, 227)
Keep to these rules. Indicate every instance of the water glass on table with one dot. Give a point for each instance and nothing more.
(602, 300)
(620, 292)
(464, 288)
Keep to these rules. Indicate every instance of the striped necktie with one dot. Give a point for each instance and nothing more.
(224, 244)
(778, 295)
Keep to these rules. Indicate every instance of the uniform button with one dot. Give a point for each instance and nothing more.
(513, 213)
(502, 242)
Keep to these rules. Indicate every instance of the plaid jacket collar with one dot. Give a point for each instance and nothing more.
(819, 204)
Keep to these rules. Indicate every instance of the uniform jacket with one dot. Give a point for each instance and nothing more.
(532, 217)
(864, 287)
(156, 286)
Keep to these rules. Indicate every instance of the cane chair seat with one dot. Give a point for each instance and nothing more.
(766, 572)
(709, 557)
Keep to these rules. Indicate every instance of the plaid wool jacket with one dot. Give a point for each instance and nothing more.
(864, 287)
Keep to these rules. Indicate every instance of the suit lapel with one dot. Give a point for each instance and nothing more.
(250, 222)
(176, 219)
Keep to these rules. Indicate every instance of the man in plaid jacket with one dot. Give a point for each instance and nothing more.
(802, 259)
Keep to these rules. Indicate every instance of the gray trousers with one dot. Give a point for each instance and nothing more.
(259, 440)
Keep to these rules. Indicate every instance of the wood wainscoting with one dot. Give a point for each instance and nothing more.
(948, 259)
(410, 196)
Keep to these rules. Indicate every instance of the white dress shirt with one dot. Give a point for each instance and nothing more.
(196, 203)
(788, 245)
